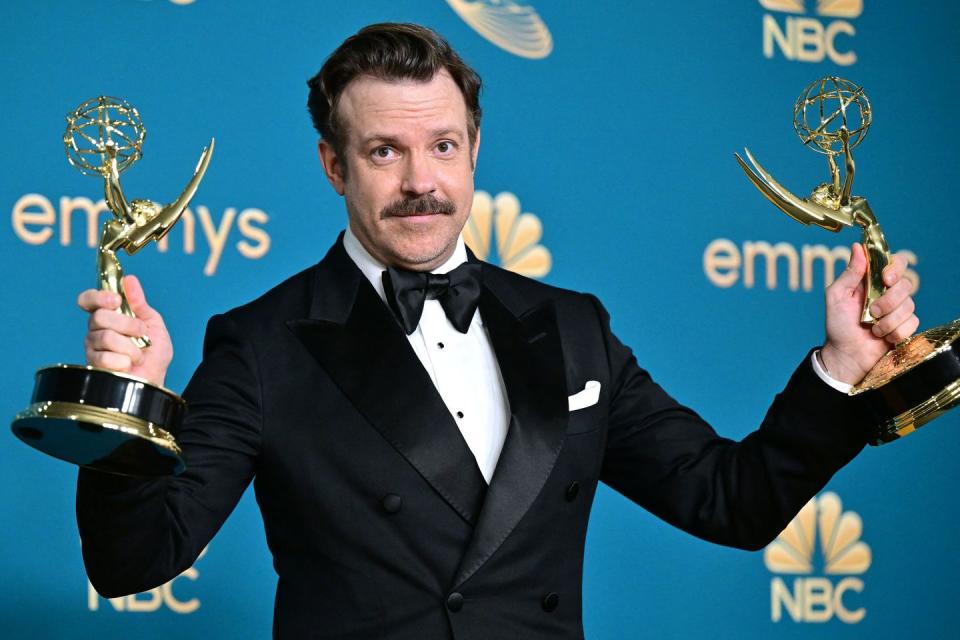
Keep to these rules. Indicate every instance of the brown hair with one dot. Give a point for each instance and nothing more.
(387, 51)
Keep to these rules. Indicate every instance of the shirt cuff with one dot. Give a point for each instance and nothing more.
(821, 372)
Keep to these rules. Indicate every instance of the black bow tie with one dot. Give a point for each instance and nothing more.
(458, 293)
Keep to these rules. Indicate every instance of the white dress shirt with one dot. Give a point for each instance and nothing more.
(842, 387)
(462, 366)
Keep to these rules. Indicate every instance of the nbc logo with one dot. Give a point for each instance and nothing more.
(152, 600)
(511, 25)
(517, 235)
(817, 598)
(807, 39)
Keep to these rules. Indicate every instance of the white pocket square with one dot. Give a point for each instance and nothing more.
(586, 398)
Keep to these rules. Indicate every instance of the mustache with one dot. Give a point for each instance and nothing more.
(418, 206)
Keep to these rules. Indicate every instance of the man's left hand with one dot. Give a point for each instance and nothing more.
(853, 348)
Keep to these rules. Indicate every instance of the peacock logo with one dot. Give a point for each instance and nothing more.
(834, 8)
(498, 232)
(822, 524)
(510, 24)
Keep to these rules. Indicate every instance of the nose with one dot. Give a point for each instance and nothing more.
(418, 177)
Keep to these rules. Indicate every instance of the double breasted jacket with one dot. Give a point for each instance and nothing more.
(378, 519)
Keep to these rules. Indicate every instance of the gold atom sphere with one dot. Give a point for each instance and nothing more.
(825, 107)
(99, 122)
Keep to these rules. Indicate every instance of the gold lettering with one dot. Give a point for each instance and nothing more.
(93, 600)
(846, 615)
(771, 253)
(152, 602)
(807, 35)
(722, 254)
(817, 598)
(245, 224)
(216, 237)
(839, 26)
(187, 224)
(181, 606)
(68, 206)
(153, 599)
(910, 273)
(772, 33)
(22, 217)
(829, 257)
(781, 597)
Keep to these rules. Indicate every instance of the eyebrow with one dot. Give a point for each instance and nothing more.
(390, 139)
(447, 132)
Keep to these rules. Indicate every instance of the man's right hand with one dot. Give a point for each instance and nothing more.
(108, 343)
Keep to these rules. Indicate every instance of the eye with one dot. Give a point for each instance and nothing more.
(446, 147)
(383, 153)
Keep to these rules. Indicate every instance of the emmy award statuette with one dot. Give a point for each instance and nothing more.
(919, 379)
(92, 417)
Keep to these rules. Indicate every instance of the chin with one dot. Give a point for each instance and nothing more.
(415, 256)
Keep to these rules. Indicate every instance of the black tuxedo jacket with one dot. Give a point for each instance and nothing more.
(377, 516)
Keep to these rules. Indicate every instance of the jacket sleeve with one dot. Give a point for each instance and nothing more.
(666, 458)
(136, 533)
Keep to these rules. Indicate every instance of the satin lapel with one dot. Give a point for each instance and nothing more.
(368, 356)
(531, 361)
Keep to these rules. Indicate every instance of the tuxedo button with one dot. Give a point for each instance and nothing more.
(455, 602)
(392, 503)
(572, 490)
(550, 602)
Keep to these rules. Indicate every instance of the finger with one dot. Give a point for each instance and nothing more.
(138, 299)
(889, 323)
(856, 268)
(107, 340)
(108, 319)
(904, 331)
(108, 360)
(895, 270)
(93, 299)
(892, 298)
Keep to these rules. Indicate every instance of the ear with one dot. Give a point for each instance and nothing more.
(475, 152)
(332, 165)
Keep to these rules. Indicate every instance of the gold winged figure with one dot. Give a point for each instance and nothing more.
(831, 206)
(135, 223)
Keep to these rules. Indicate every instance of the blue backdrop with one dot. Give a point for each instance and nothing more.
(612, 124)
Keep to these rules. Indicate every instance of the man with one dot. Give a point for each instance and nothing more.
(425, 448)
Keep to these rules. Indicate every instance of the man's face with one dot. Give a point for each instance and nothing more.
(408, 183)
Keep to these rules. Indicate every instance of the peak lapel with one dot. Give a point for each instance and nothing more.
(527, 344)
(353, 335)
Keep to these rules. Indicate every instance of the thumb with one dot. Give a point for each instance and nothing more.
(137, 299)
(856, 268)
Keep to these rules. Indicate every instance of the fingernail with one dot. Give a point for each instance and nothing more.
(876, 330)
(875, 310)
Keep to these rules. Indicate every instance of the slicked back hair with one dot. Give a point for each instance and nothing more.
(387, 51)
